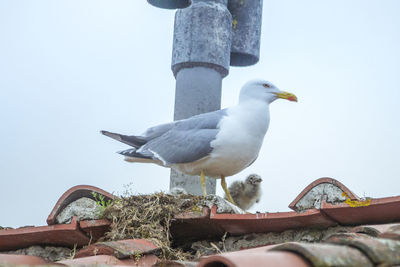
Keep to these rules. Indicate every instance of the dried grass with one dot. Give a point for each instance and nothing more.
(149, 217)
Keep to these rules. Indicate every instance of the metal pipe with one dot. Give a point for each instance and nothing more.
(246, 30)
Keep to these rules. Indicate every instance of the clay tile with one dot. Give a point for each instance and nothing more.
(326, 254)
(277, 258)
(271, 221)
(176, 264)
(312, 195)
(392, 233)
(373, 230)
(7, 259)
(94, 260)
(95, 228)
(239, 224)
(144, 261)
(121, 249)
(73, 194)
(61, 235)
(373, 211)
(379, 250)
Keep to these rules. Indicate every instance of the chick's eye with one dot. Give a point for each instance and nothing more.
(266, 85)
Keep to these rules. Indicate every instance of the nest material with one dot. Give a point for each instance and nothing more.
(149, 217)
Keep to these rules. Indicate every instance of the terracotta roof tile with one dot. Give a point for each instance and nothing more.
(144, 261)
(319, 183)
(75, 193)
(326, 254)
(249, 258)
(100, 259)
(176, 264)
(373, 229)
(392, 233)
(270, 222)
(95, 228)
(6, 259)
(120, 249)
(346, 249)
(62, 235)
(324, 203)
(237, 224)
(379, 250)
(380, 210)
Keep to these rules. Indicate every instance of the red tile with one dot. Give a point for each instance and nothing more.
(73, 194)
(95, 228)
(94, 260)
(144, 261)
(176, 264)
(319, 181)
(247, 251)
(380, 210)
(379, 250)
(59, 235)
(373, 229)
(8, 259)
(392, 233)
(237, 224)
(277, 259)
(120, 249)
(187, 228)
(326, 254)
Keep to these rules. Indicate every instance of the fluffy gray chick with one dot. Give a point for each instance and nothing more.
(246, 193)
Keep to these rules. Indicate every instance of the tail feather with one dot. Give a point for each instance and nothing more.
(132, 156)
(131, 140)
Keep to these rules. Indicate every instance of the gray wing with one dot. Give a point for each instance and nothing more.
(208, 120)
(187, 141)
(157, 131)
(138, 141)
(135, 141)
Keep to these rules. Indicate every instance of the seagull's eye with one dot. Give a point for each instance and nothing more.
(266, 85)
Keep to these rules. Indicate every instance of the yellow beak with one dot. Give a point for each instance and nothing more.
(286, 95)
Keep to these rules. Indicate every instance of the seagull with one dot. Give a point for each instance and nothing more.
(215, 144)
(246, 193)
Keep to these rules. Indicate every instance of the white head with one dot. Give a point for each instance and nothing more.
(263, 90)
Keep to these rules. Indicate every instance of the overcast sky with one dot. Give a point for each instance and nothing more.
(71, 68)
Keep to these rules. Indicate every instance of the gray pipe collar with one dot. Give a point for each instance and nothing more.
(170, 4)
(202, 36)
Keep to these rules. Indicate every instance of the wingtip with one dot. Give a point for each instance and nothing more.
(107, 133)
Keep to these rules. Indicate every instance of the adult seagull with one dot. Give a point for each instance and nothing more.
(216, 144)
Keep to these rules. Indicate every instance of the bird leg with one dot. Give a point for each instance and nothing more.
(203, 183)
(223, 184)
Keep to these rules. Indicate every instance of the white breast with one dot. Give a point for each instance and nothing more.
(238, 142)
(240, 138)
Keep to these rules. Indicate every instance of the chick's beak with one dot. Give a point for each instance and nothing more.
(286, 95)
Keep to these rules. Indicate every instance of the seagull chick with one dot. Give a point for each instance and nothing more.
(246, 193)
(217, 144)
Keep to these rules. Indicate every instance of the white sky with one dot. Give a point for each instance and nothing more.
(71, 68)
